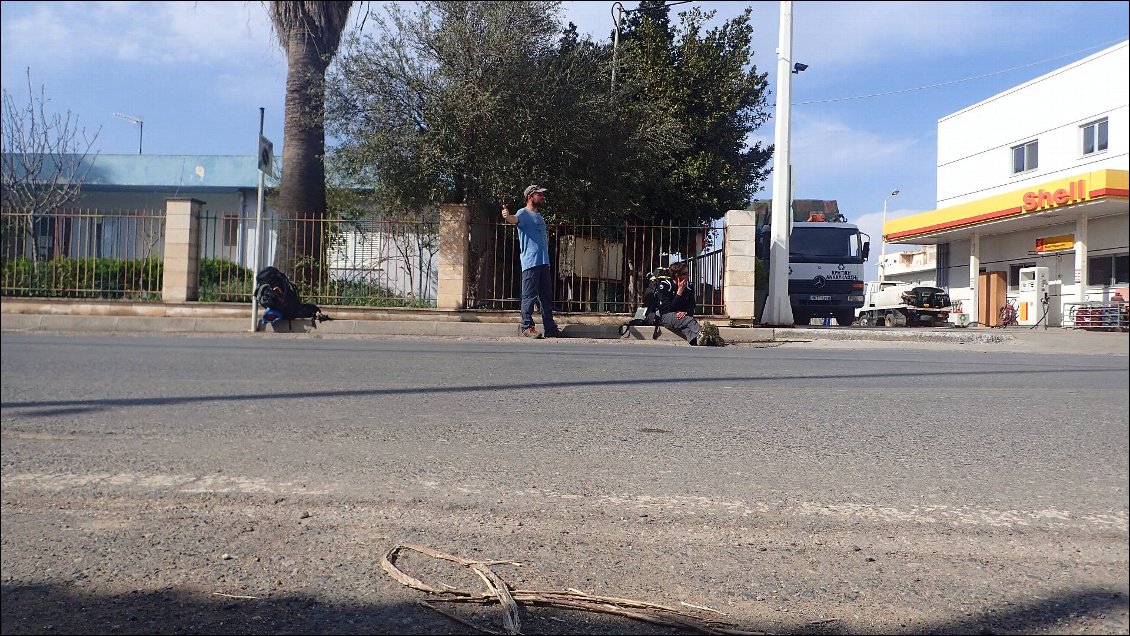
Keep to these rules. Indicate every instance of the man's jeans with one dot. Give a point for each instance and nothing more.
(688, 326)
(537, 285)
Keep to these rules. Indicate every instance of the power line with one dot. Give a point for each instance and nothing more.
(958, 81)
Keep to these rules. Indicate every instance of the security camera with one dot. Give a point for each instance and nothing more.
(798, 67)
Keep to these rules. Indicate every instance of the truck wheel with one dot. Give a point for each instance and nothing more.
(889, 319)
(866, 320)
(845, 318)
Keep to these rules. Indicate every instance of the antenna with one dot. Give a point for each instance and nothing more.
(134, 120)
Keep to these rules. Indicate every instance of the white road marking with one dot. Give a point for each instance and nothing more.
(676, 504)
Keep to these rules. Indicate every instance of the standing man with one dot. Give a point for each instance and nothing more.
(537, 281)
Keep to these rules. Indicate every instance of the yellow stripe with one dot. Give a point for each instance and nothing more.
(1097, 184)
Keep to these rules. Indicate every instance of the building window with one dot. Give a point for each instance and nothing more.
(1025, 157)
(1108, 270)
(1014, 274)
(230, 230)
(1094, 137)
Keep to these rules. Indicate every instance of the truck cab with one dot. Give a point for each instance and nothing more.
(826, 260)
(826, 270)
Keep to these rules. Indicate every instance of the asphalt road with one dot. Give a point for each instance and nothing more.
(796, 488)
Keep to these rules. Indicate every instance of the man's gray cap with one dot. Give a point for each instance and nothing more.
(534, 188)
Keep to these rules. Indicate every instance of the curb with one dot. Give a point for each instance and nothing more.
(600, 329)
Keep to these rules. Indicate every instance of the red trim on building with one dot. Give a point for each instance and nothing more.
(949, 225)
(1109, 192)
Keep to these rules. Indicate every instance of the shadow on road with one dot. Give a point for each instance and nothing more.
(51, 609)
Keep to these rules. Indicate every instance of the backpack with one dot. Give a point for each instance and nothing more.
(277, 295)
(657, 295)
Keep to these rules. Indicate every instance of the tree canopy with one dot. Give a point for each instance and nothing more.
(470, 101)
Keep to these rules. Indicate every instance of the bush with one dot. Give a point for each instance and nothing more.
(61, 277)
(225, 281)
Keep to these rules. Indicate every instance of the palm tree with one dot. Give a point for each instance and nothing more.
(309, 33)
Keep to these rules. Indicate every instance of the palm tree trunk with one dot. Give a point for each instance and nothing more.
(302, 194)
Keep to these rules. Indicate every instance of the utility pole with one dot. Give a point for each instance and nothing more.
(778, 309)
(883, 238)
(265, 161)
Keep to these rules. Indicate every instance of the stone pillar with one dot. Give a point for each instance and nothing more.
(741, 262)
(451, 287)
(182, 250)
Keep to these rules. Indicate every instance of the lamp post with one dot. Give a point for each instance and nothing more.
(883, 237)
(134, 120)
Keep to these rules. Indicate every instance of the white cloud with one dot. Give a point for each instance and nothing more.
(53, 36)
(828, 146)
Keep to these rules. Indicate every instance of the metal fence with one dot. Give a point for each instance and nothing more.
(375, 262)
(369, 262)
(597, 268)
(82, 254)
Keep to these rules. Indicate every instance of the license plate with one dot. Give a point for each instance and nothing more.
(820, 298)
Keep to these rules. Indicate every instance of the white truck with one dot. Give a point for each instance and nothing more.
(826, 260)
(898, 304)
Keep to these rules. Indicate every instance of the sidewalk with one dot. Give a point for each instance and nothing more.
(65, 316)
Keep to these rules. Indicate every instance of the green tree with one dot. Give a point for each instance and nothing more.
(309, 33)
(468, 102)
(702, 86)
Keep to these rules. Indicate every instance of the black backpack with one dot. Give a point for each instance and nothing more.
(659, 293)
(657, 296)
(275, 293)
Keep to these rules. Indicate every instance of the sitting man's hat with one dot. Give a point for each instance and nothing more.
(534, 188)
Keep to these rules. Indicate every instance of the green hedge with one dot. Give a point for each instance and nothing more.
(225, 281)
(112, 278)
(141, 279)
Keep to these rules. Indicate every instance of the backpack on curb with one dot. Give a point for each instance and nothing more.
(709, 336)
(657, 295)
(278, 297)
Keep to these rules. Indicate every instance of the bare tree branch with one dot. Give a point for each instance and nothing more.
(44, 160)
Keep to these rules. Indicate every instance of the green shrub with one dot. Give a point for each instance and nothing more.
(61, 277)
(225, 281)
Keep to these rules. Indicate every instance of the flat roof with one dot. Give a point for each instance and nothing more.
(168, 172)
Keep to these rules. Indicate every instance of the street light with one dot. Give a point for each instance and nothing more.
(134, 120)
(618, 12)
(883, 237)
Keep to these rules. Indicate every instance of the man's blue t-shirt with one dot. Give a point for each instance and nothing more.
(532, 239)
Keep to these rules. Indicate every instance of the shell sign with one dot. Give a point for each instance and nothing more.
(1055, 243)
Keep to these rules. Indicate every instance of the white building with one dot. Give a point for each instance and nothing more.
(918, 267)
(1034, 177)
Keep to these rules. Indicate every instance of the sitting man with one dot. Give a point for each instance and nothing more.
(674, 304)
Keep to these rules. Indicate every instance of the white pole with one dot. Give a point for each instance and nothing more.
(258, 222)
(883, 237)
(778, 310)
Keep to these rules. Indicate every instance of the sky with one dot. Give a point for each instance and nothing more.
(864, 113)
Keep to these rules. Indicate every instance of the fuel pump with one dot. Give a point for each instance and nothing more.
(1033, 300)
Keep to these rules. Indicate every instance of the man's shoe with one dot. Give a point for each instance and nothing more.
(556, 333)
(531, 332)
